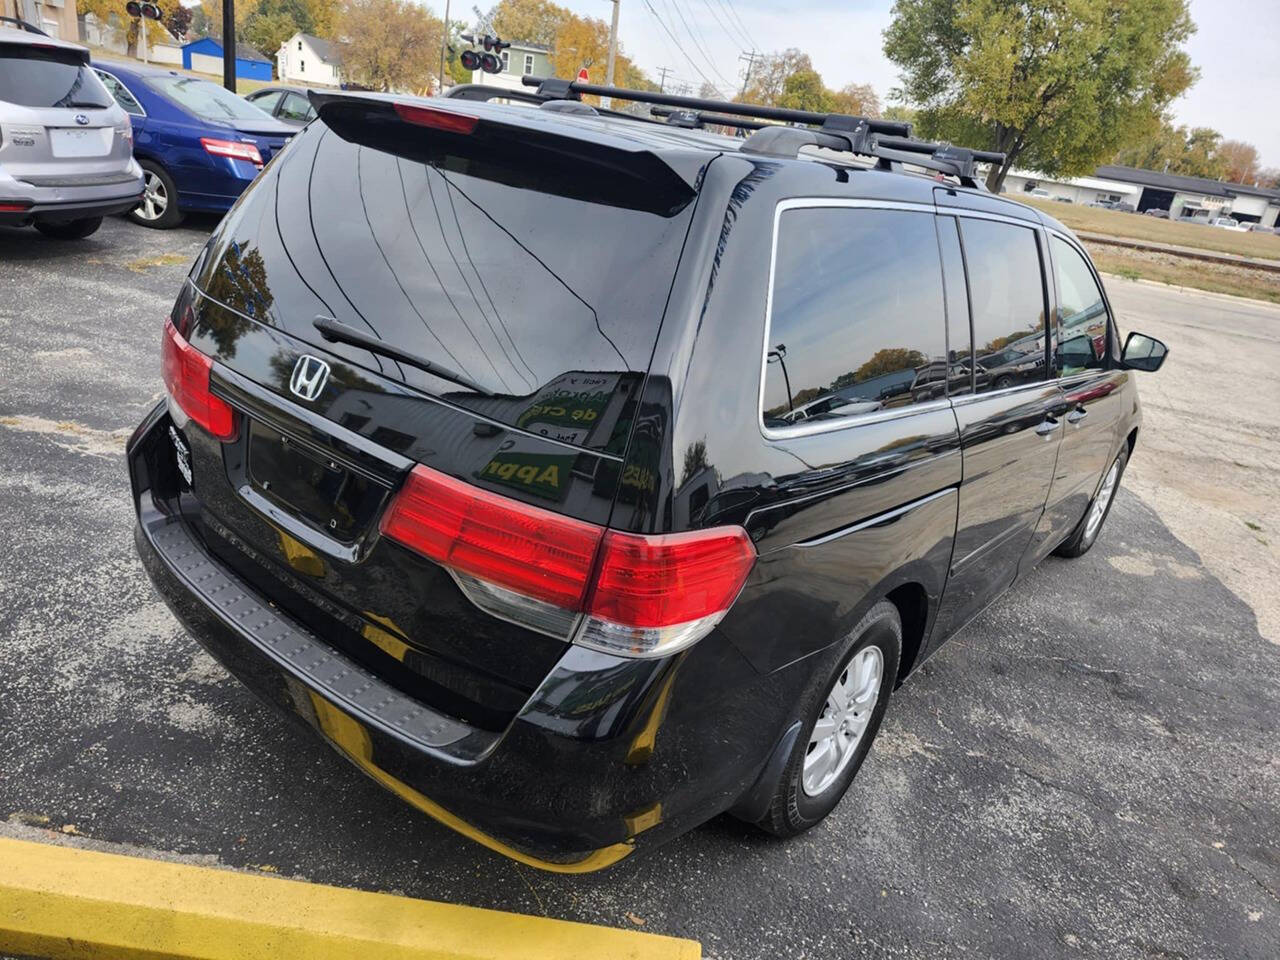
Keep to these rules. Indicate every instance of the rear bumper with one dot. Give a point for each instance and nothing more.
(608, 755)
(55, 198)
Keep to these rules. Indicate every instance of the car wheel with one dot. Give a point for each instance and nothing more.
(1086, 532)
(69, 229)
(159, 204)
(842, 710)
(1002, 383)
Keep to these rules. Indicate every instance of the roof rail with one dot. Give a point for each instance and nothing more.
(572, 89)
(696, 118)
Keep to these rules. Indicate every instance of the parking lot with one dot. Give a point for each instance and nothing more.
(1092, 768)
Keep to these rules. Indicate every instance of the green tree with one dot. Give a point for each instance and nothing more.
(275, 21)
(1055, 85)
(887, 360)
(1170, 149)
(388, 44)
(804, 90)
(768, 79)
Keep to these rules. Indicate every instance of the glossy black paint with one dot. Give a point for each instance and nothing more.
(938, 506)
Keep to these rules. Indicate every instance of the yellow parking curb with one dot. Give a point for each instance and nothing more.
(63, 902)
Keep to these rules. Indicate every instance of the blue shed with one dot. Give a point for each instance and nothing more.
(204, 55)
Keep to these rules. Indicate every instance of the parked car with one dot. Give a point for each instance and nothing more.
(287, 104)
(1160, 212)
(1259, 228)
(1038, 192)
(66, 156)
(198, 144)
(467, 458)
(1227, 223)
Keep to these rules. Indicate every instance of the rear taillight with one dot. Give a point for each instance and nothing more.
(234, 149)
(14, 206)
(628, 594)
(186, 375)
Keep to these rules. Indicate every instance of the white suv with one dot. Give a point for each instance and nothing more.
(66, 146)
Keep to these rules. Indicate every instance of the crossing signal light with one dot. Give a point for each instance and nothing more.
(148, 10)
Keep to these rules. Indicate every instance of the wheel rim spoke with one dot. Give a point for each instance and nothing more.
(846, 714)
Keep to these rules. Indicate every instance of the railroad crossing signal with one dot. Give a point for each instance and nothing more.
(148, 10)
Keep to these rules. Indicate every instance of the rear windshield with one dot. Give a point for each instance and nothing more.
(206, 100)
(47, 78)
(545, 301)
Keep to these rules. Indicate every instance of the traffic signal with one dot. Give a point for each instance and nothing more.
(470, 60)
(148, 10)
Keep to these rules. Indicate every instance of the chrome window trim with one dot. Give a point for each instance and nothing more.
(985, 215)
(844, 423)
(1113, 333)
(968, 398)
(108, 73)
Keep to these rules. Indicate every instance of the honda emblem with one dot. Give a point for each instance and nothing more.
(310, 374)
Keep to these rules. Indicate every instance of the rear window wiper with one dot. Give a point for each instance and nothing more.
(338, 332)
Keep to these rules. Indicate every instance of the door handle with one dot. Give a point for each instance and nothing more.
(1076, 415)
(1047, 426)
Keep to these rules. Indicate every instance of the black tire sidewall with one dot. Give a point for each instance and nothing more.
(1078, 543)
(71, 229)
(172, 215)
(882, 627)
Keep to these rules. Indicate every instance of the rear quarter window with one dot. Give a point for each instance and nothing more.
(857, 323)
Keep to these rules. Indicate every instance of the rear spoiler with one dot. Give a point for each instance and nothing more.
(492, 144)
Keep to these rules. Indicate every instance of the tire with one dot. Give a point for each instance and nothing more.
(70, 229)
(1085, 535)
(803, 798)
(159, 205)
(1002, 382)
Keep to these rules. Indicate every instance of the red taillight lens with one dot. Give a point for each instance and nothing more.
(14, 206)
(186, 374)
(233, 149)
(436, 119)
(525, 549)
(659, 581)
(639, 595)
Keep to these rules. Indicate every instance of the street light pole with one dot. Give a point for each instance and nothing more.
(229, 44)
(607, 102)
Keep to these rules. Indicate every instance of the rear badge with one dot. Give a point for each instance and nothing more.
(181, 455)
(309, 377)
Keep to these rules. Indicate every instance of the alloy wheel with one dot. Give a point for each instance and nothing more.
(1101, 501)
(843, 721)
(155, 198)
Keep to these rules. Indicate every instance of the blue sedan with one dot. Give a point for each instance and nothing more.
(198, 144)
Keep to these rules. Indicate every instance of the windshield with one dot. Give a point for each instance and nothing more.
(49, 78)
(206, 100)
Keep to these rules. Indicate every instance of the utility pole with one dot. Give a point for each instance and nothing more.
(662, 79)
(229, 44)
(444, 43)
(751, 59)
(607, 102)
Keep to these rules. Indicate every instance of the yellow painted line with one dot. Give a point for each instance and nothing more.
(70, 904)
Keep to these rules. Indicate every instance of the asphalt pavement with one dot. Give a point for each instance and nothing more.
(1091, 769)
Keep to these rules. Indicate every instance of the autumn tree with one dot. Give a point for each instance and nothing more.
(768, 79)
(1170, 149)
(387, 44)
(804, 90)
(855, 99)
(1239, 161)
(527, 21)
(111, 13)
(1056, 85)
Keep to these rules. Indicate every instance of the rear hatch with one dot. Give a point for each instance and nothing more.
(526, 265)
(57, 120)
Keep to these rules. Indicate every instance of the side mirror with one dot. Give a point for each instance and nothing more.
(1143, 353)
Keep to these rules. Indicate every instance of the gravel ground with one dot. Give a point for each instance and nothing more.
(1090, 769)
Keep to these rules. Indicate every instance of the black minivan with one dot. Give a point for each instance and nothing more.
(492, 450)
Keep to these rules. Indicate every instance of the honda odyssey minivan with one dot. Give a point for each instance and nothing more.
(480, 456)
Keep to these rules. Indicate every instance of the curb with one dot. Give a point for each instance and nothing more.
(67, 903)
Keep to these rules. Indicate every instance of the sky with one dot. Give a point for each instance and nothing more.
(1235, 48)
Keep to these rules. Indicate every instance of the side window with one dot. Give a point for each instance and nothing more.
(121, 94)
(1082, 313)
(267, 101)
(1006, 297)
(296, 108)
(857, 322)
(528, 63)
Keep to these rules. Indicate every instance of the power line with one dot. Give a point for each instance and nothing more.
(734, 38)
(701, 47)
(734, 11)
(685, 53)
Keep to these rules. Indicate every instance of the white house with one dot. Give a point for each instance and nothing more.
(517, 61)
(308, 60)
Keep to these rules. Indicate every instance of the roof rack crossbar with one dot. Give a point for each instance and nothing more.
(699, 118)
(565, 89)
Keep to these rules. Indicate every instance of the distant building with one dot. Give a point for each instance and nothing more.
(1150, 189)
(308, 60)
(520, 59)
(57, 18)
(204, 55)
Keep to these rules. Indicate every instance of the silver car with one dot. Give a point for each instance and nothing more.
(66, 146)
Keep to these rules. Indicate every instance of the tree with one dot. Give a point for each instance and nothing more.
(273, 22)
(1239, 161)
(855, 99)
(1056, 85)
(886, 360)
(111, 12)
(1170, 149)
(804, 90)
(178, 21)
(527, 21)
(387, 44)
(1270, 177)
(768, 79)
